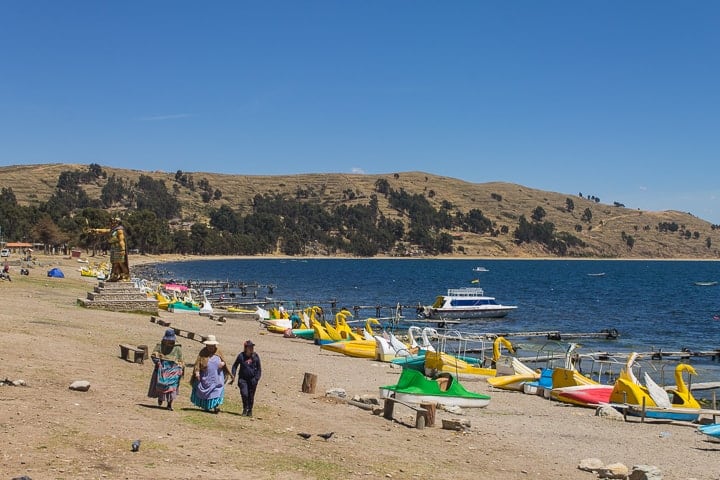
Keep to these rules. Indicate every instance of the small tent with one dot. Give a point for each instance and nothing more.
(56, 273)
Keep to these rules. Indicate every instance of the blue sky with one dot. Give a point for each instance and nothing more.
(616, 99)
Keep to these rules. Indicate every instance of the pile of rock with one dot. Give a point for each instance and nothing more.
(619, 470)
(13, 383)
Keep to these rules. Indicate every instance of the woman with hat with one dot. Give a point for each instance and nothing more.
(208, 378)
(169, 369)
(248, 376)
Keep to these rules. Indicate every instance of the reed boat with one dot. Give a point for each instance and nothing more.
(414, 387)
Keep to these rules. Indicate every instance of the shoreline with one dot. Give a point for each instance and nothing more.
(170, 258)
(48, 341)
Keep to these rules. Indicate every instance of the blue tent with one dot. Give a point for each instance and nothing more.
(56, 272)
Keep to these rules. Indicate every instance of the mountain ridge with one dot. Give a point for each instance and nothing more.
(612, 231)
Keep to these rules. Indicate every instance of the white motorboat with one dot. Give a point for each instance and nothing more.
(465, 303)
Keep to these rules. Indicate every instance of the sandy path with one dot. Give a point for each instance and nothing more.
(52, 432)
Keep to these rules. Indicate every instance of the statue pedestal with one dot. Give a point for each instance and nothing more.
(119, 297)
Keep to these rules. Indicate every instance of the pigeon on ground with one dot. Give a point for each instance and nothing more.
(305, 435)
(326, 436)
(136, 445)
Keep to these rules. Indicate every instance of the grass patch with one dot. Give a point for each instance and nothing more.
(316, 468)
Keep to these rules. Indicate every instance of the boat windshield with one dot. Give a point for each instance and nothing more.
(471, 302)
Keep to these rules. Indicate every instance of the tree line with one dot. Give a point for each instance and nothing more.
(293, 223)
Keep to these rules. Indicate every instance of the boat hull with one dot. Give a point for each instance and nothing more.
(413, 362)
(414, 387)
(352, 348)
(438, 362)
(304, 333)
(583, 395)
(182, 307)
(469, 314)
(712, 430)
(512, 382)
(662, 415)
(447, 401)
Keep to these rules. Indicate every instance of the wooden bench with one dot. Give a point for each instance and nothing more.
(423, 417)
(138, 354)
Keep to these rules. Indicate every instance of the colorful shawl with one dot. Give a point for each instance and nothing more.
(168, 377)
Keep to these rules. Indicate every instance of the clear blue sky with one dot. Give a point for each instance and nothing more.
(617, 99)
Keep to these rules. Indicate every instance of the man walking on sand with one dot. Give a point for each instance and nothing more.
(248, 376)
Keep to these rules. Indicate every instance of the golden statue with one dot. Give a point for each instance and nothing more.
(118, 251)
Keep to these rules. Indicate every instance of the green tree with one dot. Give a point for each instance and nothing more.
(538, 214)
(382, 186)
(154, 196)
(586, 216)
(147, 232)
(569, 204)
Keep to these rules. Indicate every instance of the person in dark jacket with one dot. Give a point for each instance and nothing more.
(248, 375)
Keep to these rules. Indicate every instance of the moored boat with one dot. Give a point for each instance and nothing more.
(465, 303)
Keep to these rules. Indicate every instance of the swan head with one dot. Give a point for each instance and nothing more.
(685, 367)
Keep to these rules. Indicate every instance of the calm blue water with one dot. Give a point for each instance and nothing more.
(653, 304)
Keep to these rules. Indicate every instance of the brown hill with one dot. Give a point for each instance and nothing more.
(612, 232)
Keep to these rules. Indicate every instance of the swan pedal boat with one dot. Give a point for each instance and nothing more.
(183, 306)
(465, 367)
(511, 373)
(375, 347)
(414, 387)
(628, 392)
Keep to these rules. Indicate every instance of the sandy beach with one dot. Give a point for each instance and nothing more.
(53, 432)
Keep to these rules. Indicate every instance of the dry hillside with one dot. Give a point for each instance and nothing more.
(605, 235)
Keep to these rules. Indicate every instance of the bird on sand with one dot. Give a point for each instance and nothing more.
(326, 436)
(305, 435)
(136, 445)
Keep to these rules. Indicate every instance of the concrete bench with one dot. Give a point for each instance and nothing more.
(421, 413)
(138, 353)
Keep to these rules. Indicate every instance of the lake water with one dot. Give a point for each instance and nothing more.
(652, 304)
